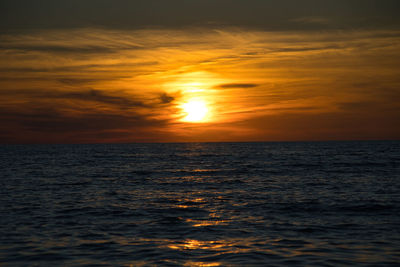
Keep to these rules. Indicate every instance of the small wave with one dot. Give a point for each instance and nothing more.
(365, 208)
(142, 172)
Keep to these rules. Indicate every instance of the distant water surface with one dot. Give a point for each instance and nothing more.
(201, 204)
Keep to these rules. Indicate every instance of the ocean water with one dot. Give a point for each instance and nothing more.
(201, 204)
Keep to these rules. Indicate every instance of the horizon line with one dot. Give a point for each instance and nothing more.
(205, 142)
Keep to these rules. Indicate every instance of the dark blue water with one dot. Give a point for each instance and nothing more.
(201, 204)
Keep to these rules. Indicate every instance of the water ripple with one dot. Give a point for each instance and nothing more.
(217, 204)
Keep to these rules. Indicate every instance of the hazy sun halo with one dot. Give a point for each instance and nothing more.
(196, 111)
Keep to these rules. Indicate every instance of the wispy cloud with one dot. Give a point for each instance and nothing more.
(237, 85)
(166, 99)
(75, 83)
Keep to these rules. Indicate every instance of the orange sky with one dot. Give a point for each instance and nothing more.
(89, 85)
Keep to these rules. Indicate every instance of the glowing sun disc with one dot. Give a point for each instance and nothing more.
(196, 111)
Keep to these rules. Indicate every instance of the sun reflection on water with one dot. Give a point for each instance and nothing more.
(197, 244)
(284, 248)
(202, 264)
(200, 223)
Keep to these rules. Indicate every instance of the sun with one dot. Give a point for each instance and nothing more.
(196, 111)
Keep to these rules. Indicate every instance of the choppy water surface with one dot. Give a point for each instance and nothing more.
(201, 204)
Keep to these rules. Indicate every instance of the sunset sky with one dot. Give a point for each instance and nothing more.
(99, 71)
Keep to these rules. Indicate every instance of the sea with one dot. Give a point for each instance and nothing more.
(201, 204)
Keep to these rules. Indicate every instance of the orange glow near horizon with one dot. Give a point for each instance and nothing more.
(234, 85)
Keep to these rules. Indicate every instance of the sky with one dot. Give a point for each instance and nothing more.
(102, 71)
